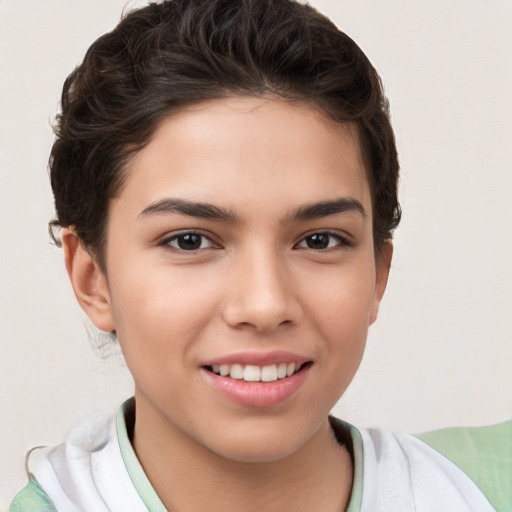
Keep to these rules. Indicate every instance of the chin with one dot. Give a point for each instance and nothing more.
(257, 453)
(259, 443)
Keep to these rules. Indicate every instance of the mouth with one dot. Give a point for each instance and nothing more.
(258, 380)
(255, 373)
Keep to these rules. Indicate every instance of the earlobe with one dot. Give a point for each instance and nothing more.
(88, 281)
(383, 264)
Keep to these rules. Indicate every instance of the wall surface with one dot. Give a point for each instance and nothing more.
(441, 351)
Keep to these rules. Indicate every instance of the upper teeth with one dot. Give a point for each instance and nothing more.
(253, 373)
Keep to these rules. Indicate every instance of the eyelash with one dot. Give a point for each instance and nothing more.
(182, 235)
(340, 241)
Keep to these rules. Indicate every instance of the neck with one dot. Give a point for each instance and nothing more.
(317, 476)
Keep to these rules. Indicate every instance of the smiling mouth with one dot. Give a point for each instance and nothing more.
(254, 373)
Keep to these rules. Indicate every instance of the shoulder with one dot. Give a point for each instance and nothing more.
(61, 477)
(483, 453)
(85, 472)
(401, 469)
(32, 498)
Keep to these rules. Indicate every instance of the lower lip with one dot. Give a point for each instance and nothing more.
(258, 394)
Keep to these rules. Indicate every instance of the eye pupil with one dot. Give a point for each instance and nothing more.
(318, 241)
(189, 242)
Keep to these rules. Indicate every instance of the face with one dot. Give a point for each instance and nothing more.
(240, 274)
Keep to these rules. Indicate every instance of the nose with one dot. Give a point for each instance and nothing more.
(261, 294)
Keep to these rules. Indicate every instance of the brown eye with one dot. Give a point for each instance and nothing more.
(318, 241)
(189, 242)
(322, 241)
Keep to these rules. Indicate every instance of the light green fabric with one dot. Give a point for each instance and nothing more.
(32, 498)
(356, 496)
(484, 454)
(151, 499)
(138, 477)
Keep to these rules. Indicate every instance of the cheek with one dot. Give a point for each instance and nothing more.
(162, 309)
(342, 300)
(341, 315)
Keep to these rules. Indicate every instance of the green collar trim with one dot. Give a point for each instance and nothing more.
(356, 497)
(138, 477)
(349, 436)
(152, 501)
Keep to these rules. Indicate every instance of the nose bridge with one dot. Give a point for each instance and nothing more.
(261, 295)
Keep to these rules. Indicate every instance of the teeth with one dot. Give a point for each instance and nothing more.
(236, 371)
(253, 373)
(281, 371)
(269, 373)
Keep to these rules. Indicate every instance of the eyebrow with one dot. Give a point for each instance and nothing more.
(210, 211)
(190, 208)
(326, 208)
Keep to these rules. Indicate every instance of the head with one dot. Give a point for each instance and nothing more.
(172, 54)
(226, 173)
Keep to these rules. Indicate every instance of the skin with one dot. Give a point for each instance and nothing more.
(254, 285)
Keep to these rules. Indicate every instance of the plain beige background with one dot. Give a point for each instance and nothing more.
(441, 351)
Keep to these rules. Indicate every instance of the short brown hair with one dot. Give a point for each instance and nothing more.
(169, 54)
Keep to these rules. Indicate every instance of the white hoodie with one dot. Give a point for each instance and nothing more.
(96, 470)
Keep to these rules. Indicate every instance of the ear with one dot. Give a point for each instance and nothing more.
(382, 264)
(88, 281)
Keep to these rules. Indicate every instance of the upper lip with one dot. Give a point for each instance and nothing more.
(258, 358)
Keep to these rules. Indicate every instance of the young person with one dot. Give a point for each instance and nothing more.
(225, 180)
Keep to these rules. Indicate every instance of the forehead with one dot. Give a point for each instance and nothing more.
(267, 145)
